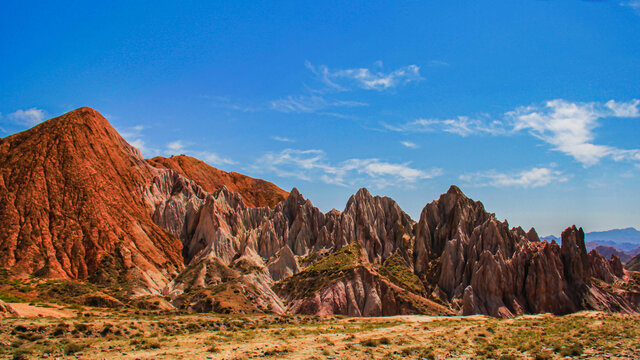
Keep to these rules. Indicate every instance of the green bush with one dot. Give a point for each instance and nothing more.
(72, 348)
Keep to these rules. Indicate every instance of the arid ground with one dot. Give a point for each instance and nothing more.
(49, 331)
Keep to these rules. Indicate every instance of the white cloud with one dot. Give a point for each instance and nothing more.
(213, 158)
(133, 135)
(29, 117)
(308, 104)
(409, 144)
(137, 143)
(179, 147)
(532, 178)
(461, 125)
(312, 165)
(569, 127)
(364, 78)
(633, 4)
(334, 80)
(624, 109)
(175, 146)
(379, 169)
(282, 139)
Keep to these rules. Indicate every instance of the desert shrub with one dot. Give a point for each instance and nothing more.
(30, 336)
(106, 329)
(429, 355)
(20, 328)
(145, 344)
(82, 327)
(542, 355)
(100, 300)
(72, 348)
(21, 354)
(60, 329)
(375, 342)
(571, 350)
(76, 306)
(193, 327)
(276, 352)
(419, 351)
(11, 298)
(152, 345)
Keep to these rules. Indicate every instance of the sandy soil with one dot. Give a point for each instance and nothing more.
(26, 310)
(592, 335)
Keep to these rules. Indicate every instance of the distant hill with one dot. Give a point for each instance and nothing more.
(608, 251)
(628, 237)
(624, 239)
(625, 243)
(550, 238)
(633, 264)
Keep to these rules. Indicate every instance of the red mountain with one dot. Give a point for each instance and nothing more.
(254, 192)
(71, 206)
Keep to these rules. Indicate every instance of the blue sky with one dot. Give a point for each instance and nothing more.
(529, 106)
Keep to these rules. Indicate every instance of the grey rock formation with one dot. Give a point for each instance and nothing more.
(477, 263)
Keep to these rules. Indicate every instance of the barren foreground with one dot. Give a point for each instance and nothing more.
(144, 335)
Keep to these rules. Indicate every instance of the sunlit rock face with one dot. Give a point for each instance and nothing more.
(78, 202)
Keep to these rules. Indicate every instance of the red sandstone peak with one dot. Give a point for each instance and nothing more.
(71, 204)
(453, 189)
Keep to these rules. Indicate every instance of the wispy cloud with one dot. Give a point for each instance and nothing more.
(224, 102)
(438, 63)
(309, 103)
(628, 109)
(312, 165)
(133, 135)
(175, 146)
(179, 147)
(462, 125)
(282, 139)
(28, 117)
(569, 127)
(213, 158)
(535, 177)
(634, 4)
(365, 78)
(409, 144)
(333, 81)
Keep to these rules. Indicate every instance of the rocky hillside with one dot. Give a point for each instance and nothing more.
(94, 210)
(71, 206)
(609, 251)
(633, 264)
(254, 192)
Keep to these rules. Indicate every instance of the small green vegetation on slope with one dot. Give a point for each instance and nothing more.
(322, 273)
(395, 269)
